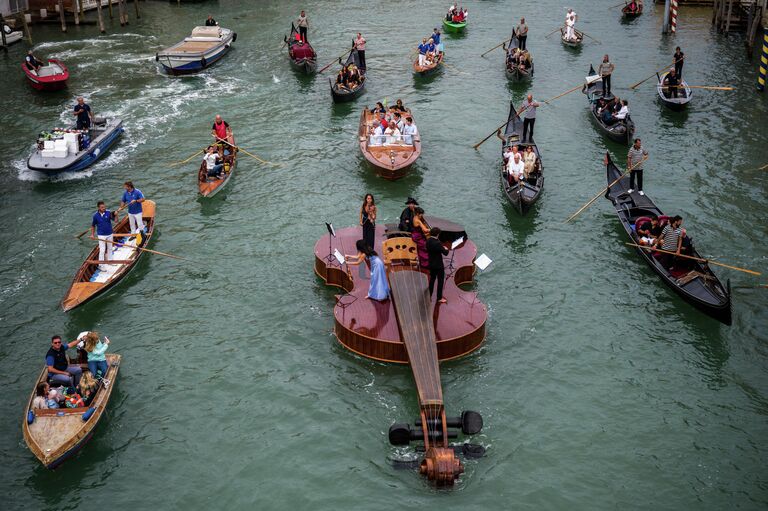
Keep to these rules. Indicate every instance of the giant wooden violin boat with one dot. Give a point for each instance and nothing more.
(411, 328)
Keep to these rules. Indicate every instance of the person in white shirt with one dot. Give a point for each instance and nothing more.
(624, 111)
(377, 133)
(393, 134)
(212, 167)
(409, 131)
(516, 169)
(570, 24)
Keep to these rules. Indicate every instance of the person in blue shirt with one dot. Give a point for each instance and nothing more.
(132, 197)
(60, 371)
(423, 51)
(83, 114)
(436, 39)
(101, 229)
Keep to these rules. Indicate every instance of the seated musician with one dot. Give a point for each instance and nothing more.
(516, 169)
(377, 133)
(409, 131)
(648, 231)
(392, 135)
(672, 84)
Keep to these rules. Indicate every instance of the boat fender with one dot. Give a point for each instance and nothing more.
(87, 415)
(157, 57)
(234, 37)
(30, 417)
(203, 62)
(7, 29)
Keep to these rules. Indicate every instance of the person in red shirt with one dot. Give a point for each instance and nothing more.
(222, 131)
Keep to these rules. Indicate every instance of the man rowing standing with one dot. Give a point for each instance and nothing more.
(529, 118)
(132, 197)
(101, 229)
(303, 23)
(570, 25)
(605, 70)
(360, 47)
(522, 33)
(223, 133)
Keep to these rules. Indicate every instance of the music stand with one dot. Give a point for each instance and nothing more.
(330, 258)
(457, 243)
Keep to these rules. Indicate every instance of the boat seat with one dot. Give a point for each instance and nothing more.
(639, 221)
(663, 220)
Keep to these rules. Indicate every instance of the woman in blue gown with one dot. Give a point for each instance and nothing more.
(379, 288)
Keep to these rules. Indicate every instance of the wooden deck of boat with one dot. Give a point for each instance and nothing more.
(374, 319)
(192, 46)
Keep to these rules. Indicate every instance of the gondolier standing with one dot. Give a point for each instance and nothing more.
(303, 24)
(222, 132)
(635, 157)
(678, 57)
(360, 47)
(605, 70)
(522, 33)
(83, 114)
(101, 229)
(132, 197)
(529, 119)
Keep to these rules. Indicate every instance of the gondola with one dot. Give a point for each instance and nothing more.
(524, 194)
(390, 158)
(697, 284)
(573, 43)
(512, 71)
(90, 282)
(301, 54)
(622, 131)
(428, 69)
(628, 14)
(56, 434)
(343, 95)
(684, 95)
(210, 186)
(51, 77)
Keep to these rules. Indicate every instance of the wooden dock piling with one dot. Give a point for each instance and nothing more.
(61, 16)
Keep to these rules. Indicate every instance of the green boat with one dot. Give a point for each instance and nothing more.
(450, 26)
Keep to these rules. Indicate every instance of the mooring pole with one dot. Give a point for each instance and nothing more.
(764, 57)
(665, 26)
(136, 3)
(101, 19)
(61, 16)
(673, 16)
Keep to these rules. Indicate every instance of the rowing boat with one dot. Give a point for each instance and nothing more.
(343, 94)
(573, 43)
(621, 131)
(90, 281)
(627, 13)
(391, 157)
(203, 48)
(428, 68)
(454, 27)
(684, 95)
(695, 282)
(210, 186)
(301, 54)
(524, 194)
(50, 77)
(56, 434)
(513, 71)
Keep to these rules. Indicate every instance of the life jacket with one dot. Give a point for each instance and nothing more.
(60, 361)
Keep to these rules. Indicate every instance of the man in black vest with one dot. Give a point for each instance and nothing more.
(60, 372)
(406, 217)
(436, 251)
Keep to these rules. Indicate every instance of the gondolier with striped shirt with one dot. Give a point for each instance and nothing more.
(101, 229)
(635, 158)
(132, 197)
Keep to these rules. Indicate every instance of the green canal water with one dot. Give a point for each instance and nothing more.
(599, 387)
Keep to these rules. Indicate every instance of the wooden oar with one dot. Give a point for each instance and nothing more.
(146, 250)
(495, 131)
(699, 259)
(547, 101)
(334, 60)
(246, 152)
(555, 30)
(187, 160)
(654, 74)
(489, 51)
(584, 33)
(708, 87)
(617, 5)
(88, 229)
(593, 199)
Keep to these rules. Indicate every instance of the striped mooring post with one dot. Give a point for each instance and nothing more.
(673, 16)
(763, 61)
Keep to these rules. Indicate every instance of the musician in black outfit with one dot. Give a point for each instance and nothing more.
(436, 251)
(406, 217)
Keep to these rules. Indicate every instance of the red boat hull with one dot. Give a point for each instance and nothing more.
(47, 83)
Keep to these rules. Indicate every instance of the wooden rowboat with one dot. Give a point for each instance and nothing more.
(390, 160)
(301, 54)
(681, 101)
(56, 434)
(341, 94)
(621, 132)
(90, 282)
(51, 77)
(210, 186)
(428, 69)
(627, 14)
(524, 194)
(697, 284)
(512, 71)
(572, 43)
(454, 27)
